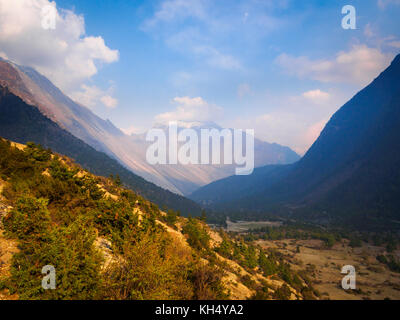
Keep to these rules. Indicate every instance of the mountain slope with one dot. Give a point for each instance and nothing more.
(235, 187)
(102, 135)
(351, 170)
(107, 242)
(264, 153)
(22, 123)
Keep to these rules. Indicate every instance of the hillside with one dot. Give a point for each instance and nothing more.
(350, 174)
(107, 242)
(22, 123)
(36, 90)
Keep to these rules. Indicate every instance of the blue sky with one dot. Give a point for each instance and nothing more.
(280, 67)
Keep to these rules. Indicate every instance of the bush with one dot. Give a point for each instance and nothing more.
(149, 269)
(171, 218)
(198, 237)
(207, 282)
(30, 220)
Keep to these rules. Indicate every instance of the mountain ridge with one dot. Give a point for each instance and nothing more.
(23, 123)
(354, 138)
(130, 151)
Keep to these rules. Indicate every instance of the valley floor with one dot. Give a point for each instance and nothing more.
(373, 279)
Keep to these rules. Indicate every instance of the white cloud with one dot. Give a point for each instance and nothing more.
(284, 128)
(288, 129)
(207, 11)
(92, 96)
(359, 65)
(202, 29)
(294, 121)
(395, 44)
(190, 41)
(317, 96)
(133, 130)
(66, 55)
(190, 109)
(374, 38)
(176, 9)
(109, 101)
(368, 31)
(216, 58)
(311, 134)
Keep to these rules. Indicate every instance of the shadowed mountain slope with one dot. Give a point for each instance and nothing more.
(352, 171)
(23, 123)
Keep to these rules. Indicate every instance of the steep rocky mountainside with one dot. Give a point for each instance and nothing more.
(23, 123)
(102, 135)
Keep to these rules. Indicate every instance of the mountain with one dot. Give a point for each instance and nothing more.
(102, 135)
(188, 178)
(350, 173)
(24, 123)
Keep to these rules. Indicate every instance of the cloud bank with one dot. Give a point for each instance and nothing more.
(360, 65)
(66, 55)
(190, 109)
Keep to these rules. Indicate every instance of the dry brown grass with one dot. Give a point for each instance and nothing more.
(373, 279)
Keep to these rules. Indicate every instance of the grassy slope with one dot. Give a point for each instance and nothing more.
(93, 230)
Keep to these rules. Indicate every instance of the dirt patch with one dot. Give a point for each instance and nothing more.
(18, 145)
(7, 249)
(215, 238)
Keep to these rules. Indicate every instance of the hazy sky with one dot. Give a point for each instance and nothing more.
(280, 67)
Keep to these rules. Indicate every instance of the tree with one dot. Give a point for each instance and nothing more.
(198, 237)
(171, 218)
(118, 180)
(203, 216)
(266, 264)
(282, 293)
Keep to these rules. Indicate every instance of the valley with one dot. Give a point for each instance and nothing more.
(321, 253)
(349, 176)
(107, 242)
(374, 280)
(242, 226)
(197, 150)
